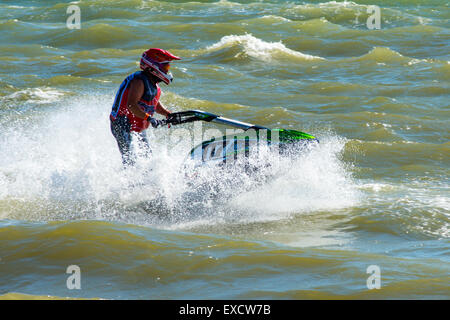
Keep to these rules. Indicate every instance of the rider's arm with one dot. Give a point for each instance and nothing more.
(134, 95)
(161, 109)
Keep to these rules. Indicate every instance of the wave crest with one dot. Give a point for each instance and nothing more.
(253, 47)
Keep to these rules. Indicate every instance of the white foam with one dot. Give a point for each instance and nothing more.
(316, 180)
(338, 4)
(57, 148)
(36, 95)
(257, 48)
(270, 16)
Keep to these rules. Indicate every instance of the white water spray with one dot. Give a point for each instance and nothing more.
(65, 165)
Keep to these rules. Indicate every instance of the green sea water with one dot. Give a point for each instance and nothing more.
(375, 192)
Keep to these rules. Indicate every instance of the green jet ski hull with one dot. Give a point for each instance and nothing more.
(232, 147)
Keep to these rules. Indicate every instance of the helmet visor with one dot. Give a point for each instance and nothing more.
(164, 67)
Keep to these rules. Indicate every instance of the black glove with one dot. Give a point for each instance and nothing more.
(156, 123)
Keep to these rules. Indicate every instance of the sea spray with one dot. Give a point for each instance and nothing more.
(71, 166)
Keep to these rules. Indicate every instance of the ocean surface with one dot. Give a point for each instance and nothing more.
(374, 195)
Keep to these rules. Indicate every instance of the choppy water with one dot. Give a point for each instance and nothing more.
(375, 192)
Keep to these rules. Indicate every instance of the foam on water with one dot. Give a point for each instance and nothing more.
(34, 95)
(257, 48)
(316, 180)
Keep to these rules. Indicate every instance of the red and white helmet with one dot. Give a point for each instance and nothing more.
(157, 62)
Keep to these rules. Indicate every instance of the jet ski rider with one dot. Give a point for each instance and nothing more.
(138, 99)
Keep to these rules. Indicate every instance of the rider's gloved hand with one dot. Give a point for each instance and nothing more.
(155, 123)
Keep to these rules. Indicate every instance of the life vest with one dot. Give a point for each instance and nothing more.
(147, 103)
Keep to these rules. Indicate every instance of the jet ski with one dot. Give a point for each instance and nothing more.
(241, 143)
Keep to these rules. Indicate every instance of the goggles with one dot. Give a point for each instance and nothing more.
(164, 67)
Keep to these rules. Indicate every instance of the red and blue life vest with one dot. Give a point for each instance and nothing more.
(147, 103)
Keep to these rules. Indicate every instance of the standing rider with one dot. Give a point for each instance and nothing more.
(138, 99)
